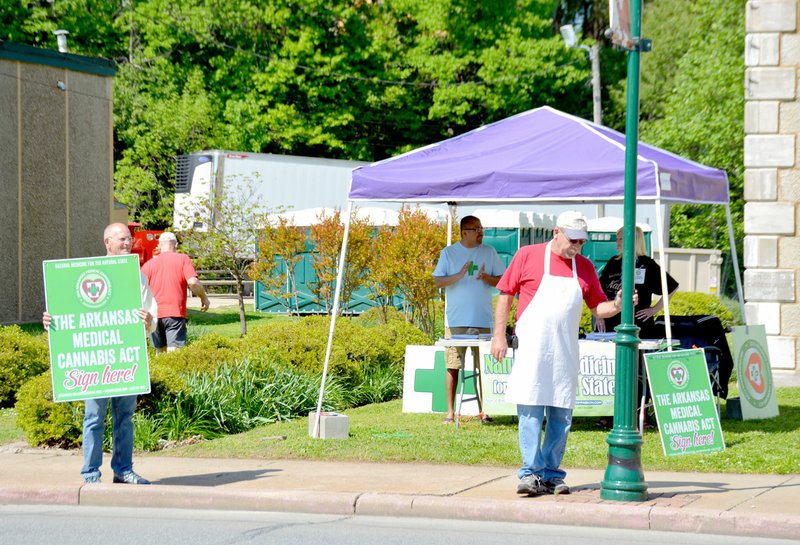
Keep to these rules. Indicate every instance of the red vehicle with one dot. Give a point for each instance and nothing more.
(145, 242)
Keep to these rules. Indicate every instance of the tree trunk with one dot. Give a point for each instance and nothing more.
(240, 296)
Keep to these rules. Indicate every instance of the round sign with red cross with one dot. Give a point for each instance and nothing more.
(756, 386)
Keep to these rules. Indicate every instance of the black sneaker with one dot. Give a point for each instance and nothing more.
(556, 486)
(531, 485)
(130, 477)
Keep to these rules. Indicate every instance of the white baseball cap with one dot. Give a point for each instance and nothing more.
(573, 224)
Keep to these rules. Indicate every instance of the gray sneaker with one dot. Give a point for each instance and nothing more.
(131, 477)
(556, 486)
(531, 485)
(91, 479)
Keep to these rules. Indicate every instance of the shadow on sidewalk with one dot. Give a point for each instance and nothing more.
(217, 479)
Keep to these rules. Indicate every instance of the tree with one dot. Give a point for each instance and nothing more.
(383, 279)
(355, 79)
(700, 112)
(410, 256)
(280, 249)
(229, 237)
(326, 238)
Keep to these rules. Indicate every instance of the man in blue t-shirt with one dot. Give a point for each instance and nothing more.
(468, 270)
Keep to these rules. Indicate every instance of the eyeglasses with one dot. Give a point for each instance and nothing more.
(478, 229)
(573, 241)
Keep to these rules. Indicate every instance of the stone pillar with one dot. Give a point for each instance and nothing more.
(772, 176)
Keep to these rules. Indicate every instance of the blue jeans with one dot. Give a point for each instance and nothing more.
(94, 418)
(543, 458)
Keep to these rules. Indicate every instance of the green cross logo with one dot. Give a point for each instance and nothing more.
(472, 268)
(432, 380)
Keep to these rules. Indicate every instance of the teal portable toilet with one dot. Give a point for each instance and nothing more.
(508, 230)
(602, 243)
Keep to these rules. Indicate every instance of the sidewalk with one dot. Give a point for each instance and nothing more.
(746, 505)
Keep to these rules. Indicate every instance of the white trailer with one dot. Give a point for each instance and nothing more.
(280, 181)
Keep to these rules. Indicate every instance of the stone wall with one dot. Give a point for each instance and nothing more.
(56, 184)
(772, 176)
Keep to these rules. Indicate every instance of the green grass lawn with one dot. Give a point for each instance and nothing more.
(225, 320)
(382, 433)
(9, 432)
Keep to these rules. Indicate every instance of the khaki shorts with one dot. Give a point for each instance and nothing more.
(454, 355)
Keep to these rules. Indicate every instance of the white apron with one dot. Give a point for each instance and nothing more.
(546, 364)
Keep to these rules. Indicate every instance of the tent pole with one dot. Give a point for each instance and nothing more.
(663, 268)
(337, 291)
(452, 213)
(739, 290)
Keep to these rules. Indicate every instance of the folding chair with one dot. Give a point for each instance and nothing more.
(706, 332)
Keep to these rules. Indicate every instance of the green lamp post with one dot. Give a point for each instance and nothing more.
(624, 479)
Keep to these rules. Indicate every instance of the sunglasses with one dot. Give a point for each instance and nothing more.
(578, 241)
(478, 229)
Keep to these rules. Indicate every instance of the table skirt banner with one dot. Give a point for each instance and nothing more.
(424, 376)
(423, 382)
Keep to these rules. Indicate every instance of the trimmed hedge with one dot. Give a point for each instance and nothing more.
(22, 357)
(366, 359)
(355, 348)
(683, 303)
(45, 422)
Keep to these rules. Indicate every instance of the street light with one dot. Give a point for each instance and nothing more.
(624, 479)
(571, 40)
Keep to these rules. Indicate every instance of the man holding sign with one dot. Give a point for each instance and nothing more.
(117, 240)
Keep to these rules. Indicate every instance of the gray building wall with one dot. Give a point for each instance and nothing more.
(772, 176)
(56, 184)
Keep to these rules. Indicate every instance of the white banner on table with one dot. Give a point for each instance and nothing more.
(424, 376)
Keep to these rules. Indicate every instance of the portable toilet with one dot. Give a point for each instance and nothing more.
(602, 243)
(505, 230)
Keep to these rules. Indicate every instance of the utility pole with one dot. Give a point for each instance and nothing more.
(594, 55)
(571, 40)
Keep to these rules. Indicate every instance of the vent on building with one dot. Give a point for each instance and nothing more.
(184, 170)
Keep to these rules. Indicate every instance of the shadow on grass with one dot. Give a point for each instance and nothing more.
(223, 317)
(34, 328)
(787, 420)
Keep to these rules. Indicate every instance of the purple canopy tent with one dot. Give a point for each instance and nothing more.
(539, 156)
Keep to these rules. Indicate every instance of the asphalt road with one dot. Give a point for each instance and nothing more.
(64, 525)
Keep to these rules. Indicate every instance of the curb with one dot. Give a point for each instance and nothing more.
(610, 514)
(192, 497)
(56, 495)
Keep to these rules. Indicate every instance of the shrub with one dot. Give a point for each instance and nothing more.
(240, 396)
(683, 303)
(168, 370)
(44, 421)
(686, 303)
(376, 317)
(379, 385)
(302, 344)
(22, 357)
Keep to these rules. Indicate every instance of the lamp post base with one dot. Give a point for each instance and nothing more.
(624, 479)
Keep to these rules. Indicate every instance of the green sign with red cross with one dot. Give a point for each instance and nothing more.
(98, 346)
(687, 416)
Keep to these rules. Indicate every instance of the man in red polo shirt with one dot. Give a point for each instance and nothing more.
(169, 274)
